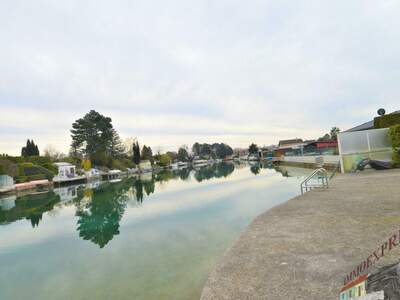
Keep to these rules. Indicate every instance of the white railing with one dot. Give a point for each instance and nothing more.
(317, 179)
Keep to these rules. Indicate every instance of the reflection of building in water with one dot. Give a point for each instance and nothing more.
(30, 207)
(7, 203)
(93, 184)
(67, 193)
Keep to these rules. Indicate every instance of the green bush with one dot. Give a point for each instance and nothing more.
(394, 136)
(21, 179)
(117, 164)
(164, 160)
(386, 121)
(9, 168)
(2, 171)
(37, 177)
(36, 172)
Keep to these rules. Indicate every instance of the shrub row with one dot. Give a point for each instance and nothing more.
(386, 121)
(394, 135)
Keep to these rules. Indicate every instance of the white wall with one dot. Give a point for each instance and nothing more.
(327, 159)
(373, 296)
(6, 181)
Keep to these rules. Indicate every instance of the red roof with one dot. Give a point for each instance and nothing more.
(354, 282)
(324, 144)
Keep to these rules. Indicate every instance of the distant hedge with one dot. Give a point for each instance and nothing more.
(394, 135)
(30, 171)
(386, 121)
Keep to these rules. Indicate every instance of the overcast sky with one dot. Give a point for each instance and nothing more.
(176, 72)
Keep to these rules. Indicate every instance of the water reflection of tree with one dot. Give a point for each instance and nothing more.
(217, 170)
(99, 220)
(224, 169)
(283, 171)
(139, 190)
(30, 207)
(164, 176)
(184, 173)
(149, 186)
(255, 169)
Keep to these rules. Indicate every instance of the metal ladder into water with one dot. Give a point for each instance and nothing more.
(317, 179)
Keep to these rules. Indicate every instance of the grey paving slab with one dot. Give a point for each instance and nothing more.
(303, 249)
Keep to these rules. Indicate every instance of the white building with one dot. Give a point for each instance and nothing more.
(65, 170)
(6, 183)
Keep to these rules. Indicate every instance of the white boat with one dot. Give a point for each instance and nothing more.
(200, 162)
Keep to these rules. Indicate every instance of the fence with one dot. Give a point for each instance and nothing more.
(357, 145)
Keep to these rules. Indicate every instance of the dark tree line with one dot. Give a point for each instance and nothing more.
(216, 150)
(145, 154)
(31, 149)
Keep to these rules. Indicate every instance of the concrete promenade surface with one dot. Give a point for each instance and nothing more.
(304, 248)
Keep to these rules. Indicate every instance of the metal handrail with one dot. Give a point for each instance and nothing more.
(335, 171)
(323, 176)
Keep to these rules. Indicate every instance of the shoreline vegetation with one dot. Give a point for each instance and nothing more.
(97, 149)
(97, 145)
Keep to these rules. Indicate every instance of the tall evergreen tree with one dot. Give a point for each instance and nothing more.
(136, 153)
(31, 149)
(183, 155)
(93, 134)
(196, 149)
(147, 153)
(117, 148)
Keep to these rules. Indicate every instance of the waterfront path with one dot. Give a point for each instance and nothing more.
(304, 248)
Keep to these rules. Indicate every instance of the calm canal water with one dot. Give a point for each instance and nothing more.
(156, 237)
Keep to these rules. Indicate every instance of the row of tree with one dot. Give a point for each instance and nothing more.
(94, 137)
(31, 149)
(216, 150)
